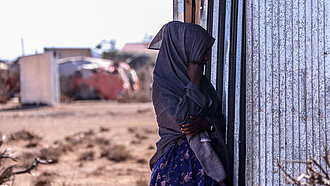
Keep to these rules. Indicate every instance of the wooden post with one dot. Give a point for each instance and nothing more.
(188, 11)
(198, 12)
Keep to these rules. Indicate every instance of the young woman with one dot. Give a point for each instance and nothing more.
(191, 149)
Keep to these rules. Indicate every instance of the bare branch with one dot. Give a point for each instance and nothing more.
(315, 173)
(32, 166)
(6, 174)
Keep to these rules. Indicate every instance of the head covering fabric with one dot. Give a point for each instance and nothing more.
(181, 43)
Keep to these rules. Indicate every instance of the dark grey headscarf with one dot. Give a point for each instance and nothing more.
(175, 98)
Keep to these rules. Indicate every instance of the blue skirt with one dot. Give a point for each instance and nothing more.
(179, 166)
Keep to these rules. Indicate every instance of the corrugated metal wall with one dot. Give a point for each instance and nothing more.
(271, 68)
(288, 86)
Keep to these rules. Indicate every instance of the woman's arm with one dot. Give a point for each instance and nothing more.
(192, 103)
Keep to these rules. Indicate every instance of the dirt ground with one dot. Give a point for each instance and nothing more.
(89, 142)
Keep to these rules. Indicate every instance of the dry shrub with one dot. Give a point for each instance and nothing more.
(104, 129)
(316, 172)
(44, 179)
(141, 137)
(65, 98)
(32, 144)
(86, 156)
(134, 142)
(116, 153)
(132, 130)
(140, 111)
(151, 147)
(149, 131)
(137, 97)
(98, 171)
(65, 148)
(89, 145)
(142, 182)
(141, 161)
(24, 135)
(80, 137)
(25, 159)
(51, 153)
(101, 141)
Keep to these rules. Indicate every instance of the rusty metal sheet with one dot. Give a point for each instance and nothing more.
(288, 86)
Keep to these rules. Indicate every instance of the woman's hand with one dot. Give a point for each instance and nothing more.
(198, 125)
(195, 72)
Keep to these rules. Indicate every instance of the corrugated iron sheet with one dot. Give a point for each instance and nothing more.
(288, 86)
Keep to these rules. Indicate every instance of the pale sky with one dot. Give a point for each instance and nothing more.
(77, 23)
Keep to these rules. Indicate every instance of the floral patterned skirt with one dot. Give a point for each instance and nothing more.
(179, 166)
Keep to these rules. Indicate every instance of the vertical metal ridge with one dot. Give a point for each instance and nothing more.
(231, 81)
(301, 80)
(275, 89)
(288, 85)
(309, 86)
(326, 51)
(281, 85)
(220, 49)
(249, 93)
(295, 87)
(209, 29)
(262, 91)
(256, 106)
(237, 88)
(215, 51)
(269, 93)
(258, 98)
(242, 130)
(322, 106)
(315, 82)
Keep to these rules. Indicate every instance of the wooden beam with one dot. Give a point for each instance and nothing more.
(198, 12)
(188, 11)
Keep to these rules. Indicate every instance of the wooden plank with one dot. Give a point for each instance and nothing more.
(188, 11)
(198, 12)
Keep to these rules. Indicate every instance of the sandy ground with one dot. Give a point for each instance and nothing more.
(90, 142)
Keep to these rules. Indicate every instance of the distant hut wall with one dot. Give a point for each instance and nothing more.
(39, 80)
(271, 68)
(70, 52)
